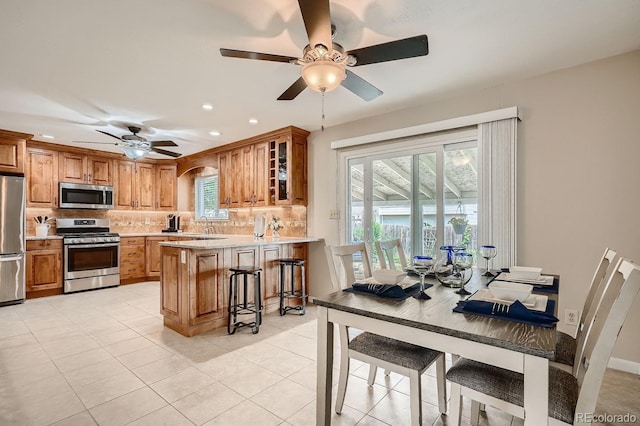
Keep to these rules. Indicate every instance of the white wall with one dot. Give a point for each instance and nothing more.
(578, 172)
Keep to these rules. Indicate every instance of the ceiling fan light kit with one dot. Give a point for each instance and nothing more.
(323, 68)
(135, 153)
(323, 75)
(136, 147)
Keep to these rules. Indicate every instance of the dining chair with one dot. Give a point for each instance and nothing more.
(379, 351)
(569, 349)
(386, 253)
(571, 396)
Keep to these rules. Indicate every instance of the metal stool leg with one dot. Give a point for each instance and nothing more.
(231, 319)
(256, 299)
(282, 272)
(304, 295)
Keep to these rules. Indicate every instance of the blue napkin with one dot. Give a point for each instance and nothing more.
(516, 312)
(388, 291)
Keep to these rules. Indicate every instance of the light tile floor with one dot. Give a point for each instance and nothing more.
(104, 357)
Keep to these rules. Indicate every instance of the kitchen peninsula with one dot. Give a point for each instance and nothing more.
(194, 284)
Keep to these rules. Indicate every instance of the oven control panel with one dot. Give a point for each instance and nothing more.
(91, 240)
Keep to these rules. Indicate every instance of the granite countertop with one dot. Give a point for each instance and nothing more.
(48, 237)
(228, 241)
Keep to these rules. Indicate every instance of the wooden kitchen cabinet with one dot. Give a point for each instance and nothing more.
(12, 151)
(132, 259)
(256, 175)
(231, 175)
(43, 265)
(134, 185)
(153, 255)
(42, 178)
(79, 168)
(166, 187)
(288, 170)
(269, 256)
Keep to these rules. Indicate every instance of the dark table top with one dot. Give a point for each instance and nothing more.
(436, 315)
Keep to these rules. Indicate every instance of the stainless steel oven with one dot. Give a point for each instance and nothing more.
(91, 254)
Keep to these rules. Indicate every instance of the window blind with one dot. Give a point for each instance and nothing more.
(206, 198)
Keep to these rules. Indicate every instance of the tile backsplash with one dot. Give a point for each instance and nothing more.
(240, 221)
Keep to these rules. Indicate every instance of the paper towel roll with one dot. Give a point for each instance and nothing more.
(260, 226)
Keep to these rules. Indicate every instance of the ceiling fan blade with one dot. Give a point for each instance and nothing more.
(165, 152)
(392, 51)
(231, 53)
(109, 134)
(101, 143)
(317, 20)
(294, 90)
(163, 143)
(361, 87)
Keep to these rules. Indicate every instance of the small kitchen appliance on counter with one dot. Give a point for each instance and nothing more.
(173, 223)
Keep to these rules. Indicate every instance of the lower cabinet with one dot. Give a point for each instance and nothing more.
(152, 254)
(132, 258)
(269, 256)
(43, 265)
(192, 290)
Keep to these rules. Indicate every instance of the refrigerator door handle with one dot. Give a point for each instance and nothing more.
(10, 258)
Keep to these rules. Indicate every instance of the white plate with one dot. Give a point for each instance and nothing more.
(535, 302)
(543, 280)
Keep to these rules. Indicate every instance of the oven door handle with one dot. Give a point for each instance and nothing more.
(92, 245)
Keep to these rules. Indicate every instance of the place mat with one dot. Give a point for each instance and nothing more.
(387, 291)
(516, 312)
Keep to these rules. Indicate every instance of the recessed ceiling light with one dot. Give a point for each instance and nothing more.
(48, 136)
(253, 121)
(207, 107)
(215, 133)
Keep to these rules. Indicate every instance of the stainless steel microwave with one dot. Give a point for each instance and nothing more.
(84, 196)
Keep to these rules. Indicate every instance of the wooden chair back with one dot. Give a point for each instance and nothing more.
(386, 254)
(620, 291)
(341, 263)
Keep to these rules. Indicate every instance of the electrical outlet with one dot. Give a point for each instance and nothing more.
(147, 221)
(571, 316)
(334, 214)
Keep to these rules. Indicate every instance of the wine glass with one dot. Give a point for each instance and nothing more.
(462, 262)
(422, 265)
(488, 252)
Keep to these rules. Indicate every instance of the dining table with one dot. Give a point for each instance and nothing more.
(432, 323)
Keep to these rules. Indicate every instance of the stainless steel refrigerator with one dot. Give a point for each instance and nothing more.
(12, 239)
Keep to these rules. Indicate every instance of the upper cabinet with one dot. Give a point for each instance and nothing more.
(12, 149)
(80, 168)
(272, 170)
(144, 186)
(288, 170)
(166, 187)
(42, 178)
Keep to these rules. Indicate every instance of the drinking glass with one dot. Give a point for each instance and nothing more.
(488, 252)
(463, 262)
(422, 265)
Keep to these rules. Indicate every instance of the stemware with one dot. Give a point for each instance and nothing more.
(463, 262)
(488, 252)
(422, 265)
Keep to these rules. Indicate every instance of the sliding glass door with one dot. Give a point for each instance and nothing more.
(426, 197)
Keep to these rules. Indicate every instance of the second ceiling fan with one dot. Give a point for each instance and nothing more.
(324, 63)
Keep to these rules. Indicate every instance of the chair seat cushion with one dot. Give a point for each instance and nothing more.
(394, 351)
(508, 386)
(565, 348)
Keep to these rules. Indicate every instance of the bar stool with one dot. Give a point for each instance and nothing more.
(291, 294)
(244, 307)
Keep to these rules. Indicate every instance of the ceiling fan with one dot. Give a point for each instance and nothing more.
(135, 146)
(324, 62)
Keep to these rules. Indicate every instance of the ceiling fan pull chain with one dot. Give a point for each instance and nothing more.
(322, 124)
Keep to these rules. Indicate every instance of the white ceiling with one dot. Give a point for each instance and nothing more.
(70, 67)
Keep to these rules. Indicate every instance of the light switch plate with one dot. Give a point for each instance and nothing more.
(334, 214)
(147, 221)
